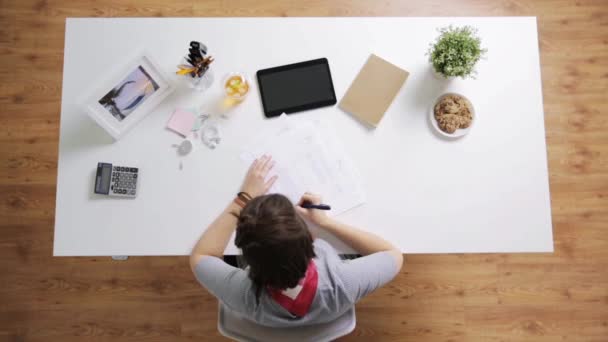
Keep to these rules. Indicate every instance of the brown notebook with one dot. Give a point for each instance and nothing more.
(373, 90)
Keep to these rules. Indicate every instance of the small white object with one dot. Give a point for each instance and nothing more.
(459, 132)
(120, 257)
(210, 134)
(293, 292)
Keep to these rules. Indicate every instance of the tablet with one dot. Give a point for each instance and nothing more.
(296, 87)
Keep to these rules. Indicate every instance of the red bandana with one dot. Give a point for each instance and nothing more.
(297, 300)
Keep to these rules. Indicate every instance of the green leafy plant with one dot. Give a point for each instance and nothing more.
(456, 51)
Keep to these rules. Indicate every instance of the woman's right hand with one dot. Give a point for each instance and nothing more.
(316, 216)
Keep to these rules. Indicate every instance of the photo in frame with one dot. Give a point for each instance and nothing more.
(128, 96)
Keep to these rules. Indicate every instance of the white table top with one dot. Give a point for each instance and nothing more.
(487, 192)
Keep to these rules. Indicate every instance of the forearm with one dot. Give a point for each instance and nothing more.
(215, 238)
(361, 241)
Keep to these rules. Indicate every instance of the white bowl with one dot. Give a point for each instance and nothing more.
(459, 132)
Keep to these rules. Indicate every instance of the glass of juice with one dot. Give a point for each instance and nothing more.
(236, 86)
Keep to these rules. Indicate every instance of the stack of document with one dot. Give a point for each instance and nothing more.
(309, 158)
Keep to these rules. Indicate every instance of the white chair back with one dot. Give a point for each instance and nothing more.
(234, 326)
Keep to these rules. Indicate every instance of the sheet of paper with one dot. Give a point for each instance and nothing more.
(310, 158)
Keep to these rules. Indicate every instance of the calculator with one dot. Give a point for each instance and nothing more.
(120, 181)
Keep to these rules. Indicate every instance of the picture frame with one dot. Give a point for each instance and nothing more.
(128, 95)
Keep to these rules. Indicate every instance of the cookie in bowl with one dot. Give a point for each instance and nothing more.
(452, 115)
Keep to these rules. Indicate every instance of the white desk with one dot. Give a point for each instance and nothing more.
(487, 192)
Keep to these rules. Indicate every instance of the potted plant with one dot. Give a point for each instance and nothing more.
(455, 52)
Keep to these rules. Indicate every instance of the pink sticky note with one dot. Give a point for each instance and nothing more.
(181, 122)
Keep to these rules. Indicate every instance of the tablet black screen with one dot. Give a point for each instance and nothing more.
(296, 87)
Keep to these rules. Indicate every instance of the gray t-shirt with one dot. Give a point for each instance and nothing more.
(341, 283)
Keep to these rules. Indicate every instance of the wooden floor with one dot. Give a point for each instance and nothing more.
(487, 297)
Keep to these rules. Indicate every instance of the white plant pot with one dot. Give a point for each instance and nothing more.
(441, 77)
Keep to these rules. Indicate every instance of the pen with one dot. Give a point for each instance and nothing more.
(315, 206)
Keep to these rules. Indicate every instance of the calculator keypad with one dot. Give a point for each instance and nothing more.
(124, 181)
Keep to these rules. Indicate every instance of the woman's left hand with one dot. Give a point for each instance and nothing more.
(255, 183)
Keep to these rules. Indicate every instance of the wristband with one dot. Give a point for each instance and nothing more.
(239, 202)
(244, 196)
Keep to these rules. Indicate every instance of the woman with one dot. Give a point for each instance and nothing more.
(291, 278)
